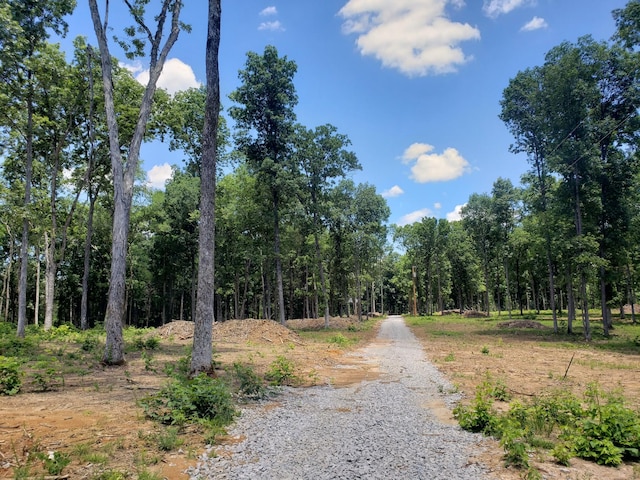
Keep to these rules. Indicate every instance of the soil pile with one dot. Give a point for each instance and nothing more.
(250, 330)
(522, 324)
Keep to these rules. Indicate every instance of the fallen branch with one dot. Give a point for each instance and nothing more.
(568, 366)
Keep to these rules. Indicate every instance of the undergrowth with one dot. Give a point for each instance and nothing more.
(599, 427)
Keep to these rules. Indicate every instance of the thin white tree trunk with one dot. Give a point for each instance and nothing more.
(49, 280)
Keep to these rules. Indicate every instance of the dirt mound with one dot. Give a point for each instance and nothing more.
(318, 323)
(474, 314)
(522, 324)
(180, 330)
(257, 331)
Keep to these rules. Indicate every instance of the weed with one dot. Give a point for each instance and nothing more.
(168, 439)
(54, 462)
(201, 398)
(250, 383)
(89, 344)
(450, 357)
(340, 340)
(111, 475)
(148, 362)
(149, 343)
(10, 376)
(281, 372)
(600, 428)
(145, 474)
(47, 379)
(485, 350)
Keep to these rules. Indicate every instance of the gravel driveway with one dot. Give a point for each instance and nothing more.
(382, 429)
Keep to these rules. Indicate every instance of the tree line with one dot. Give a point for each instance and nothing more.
(295, 236)
(566, 239)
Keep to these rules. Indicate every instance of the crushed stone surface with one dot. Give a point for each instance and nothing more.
(382, 429)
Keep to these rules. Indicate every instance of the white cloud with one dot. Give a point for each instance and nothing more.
(434, 167)
(455, 215)
(269, 11)
(176, 75)
(535, 23)
(414, 217)
(158, 175)
(274, 26)
(437, 205)
(394, 191)
(412, 36)
(495, 8)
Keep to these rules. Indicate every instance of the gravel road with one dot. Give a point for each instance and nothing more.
(382, 429)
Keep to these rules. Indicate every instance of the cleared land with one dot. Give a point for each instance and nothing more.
(90, 413)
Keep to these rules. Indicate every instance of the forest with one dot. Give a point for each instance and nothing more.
(295, 236)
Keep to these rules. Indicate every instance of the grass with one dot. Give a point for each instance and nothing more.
(341, 337)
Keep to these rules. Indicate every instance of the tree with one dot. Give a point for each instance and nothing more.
(124, 171)
(265, 121)
(323, 159)
(202, 341)
(504, 208)
(478, 219)
(368, 213)
(525, 113)
(28, 28)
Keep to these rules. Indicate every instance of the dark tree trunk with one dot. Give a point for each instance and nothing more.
(201, 358)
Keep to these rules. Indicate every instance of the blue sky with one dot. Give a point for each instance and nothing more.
(415, 84)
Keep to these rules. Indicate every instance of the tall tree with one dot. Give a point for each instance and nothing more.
(525, 113)
(202, 341)
(124, 170)
(28, 27)
(266, 121)
(323, 159)
(479, 221)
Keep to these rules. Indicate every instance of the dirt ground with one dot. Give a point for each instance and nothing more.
(98, 411)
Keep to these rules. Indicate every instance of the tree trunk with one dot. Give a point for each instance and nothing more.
(24, 247)
(632, 297)
(36, 306)
(6, 284)
(571, 303)
(606, 312)
(276, 251)
(49, 280)
(84, 305)
(123, 177)
(506, 279)
(323, 282)
(202, 356)
(552, 287)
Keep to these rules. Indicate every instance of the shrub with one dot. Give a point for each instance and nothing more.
(608, 433)
(480, 415)
(10, 376)
(201, 398)
(281, 372)
(149, 343)
(249, 382)
(339, 339)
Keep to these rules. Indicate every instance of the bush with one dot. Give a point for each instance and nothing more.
(149, 343)
(601, 429)
(608, 433)
(199, 399)
(480, 415)
(10, 376)
(281, 372)
(249, 382)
